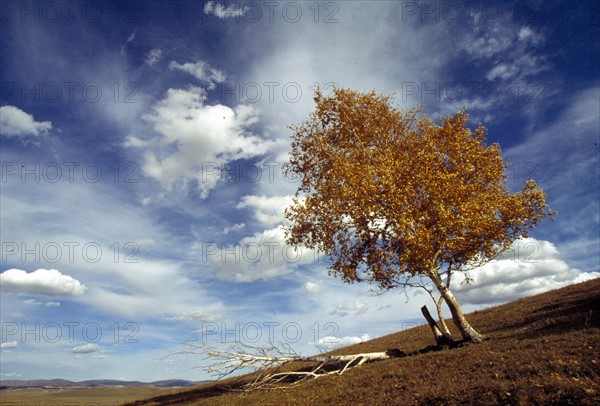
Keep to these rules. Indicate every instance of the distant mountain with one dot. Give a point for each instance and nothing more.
(36, 382)
(172, 383)
(63, 383)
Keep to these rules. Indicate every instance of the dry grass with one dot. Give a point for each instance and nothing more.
(542, 350)
(76, 396)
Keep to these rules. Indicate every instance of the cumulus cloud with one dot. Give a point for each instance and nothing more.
(331, 342)
(202, 71)
(14, 122)
(196, 140)
(222, 12)
(86, 349)
(267, 210)
(529, 268)
(49, 282)
(9, 344)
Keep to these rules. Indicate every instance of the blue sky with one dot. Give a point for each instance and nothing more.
(142, 147)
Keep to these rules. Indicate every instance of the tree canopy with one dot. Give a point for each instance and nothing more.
(388, 194)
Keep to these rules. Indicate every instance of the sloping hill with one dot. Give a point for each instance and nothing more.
(544, 349)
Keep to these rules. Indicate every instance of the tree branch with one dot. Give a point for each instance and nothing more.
(267, 362)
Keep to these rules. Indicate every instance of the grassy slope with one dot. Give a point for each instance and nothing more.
(543, 349)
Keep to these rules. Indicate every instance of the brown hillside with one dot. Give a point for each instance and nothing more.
(543, 349)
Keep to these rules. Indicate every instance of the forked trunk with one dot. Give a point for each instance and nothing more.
(467, 331)
(441, 339)
(442, 322)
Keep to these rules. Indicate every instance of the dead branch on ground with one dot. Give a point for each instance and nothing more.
(267, 363)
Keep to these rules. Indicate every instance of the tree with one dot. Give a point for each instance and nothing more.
(392, 198)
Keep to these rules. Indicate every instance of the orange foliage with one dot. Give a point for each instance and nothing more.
(388, 194)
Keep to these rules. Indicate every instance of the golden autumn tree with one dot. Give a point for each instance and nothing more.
(388, 195)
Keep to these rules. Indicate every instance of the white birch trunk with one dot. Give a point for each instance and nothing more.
(467, 331)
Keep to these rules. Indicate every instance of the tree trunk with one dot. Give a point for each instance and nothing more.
(467, 331)
(441, 339)
(442, 322)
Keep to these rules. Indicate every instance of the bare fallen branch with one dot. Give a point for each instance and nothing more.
(266, 362)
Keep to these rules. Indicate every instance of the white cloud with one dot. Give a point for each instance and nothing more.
(223, 12)
(263, 255)
(501, 71)
(49, 282)
(486, 43)
(33, 302)
(312, 288)
(529, 268)
(331, 342)
(154, 286)
(286, 56)
(199, 315)
(267, 209)
(86, 348)
(132, 141)
(153, 57)
(14, 122)
(202, 71)
(163, 291)
(129, 39)
(555, 161)
(127, 305)
(348, 308)
(235, 227)
(144, 242)
(527, 34)
(9, 344)
(196, 140)
(513, 51)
